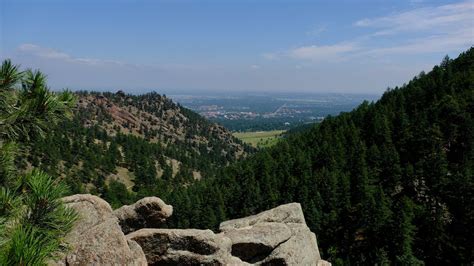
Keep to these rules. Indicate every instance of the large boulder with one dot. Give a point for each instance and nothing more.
(149, 212)
(96, 238)
(278, 236)
(184, 247)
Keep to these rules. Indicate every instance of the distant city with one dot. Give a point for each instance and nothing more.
(244, 112)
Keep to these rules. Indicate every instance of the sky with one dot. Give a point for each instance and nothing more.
(346, 46)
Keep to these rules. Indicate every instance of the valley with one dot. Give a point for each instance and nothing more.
(367, 176)
(398, 168)
(321, 133)
(260, 139)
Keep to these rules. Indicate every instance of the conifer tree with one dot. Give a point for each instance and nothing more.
(33, 219)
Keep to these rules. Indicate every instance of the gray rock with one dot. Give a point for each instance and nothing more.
(275, 237)
(300, 249)
(278, 236)
(287, 213)
(96, 238)
(184, 247)
(149, 212)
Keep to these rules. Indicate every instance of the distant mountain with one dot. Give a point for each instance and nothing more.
(391, 182)
(156, 119)
(133, 142)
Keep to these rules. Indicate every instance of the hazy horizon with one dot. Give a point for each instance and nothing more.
(359, 47)
(220, 93)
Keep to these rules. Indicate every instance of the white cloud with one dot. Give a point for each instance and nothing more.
(49, 53)
(437, 19)
(460, 39)
(322, 52)
(440, 29)
(42, 52)
(443, 29)
(68, 71)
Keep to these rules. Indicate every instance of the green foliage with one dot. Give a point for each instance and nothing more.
(10, 204)
(10, 75)
(33, 109)
(27, 246)
(42, 197)
(117, 194)
(9, 151)
(33, 219)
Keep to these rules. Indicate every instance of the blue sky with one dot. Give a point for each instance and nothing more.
(230, 45)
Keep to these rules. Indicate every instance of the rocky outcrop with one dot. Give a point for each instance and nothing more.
(278, 236)
(96, 238)
(150, 212)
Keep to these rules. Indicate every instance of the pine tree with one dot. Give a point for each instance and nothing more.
(406, 231)
(32, 217)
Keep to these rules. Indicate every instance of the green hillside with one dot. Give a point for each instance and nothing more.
(123, 147)
(390, 182)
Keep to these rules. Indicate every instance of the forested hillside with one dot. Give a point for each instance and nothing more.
(123, 147)
(389, 182)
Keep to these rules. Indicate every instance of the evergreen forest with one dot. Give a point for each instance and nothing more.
(391, 182)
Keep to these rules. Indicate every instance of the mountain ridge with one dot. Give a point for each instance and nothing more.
(135, 141)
